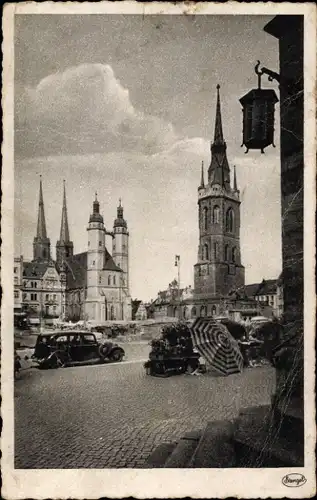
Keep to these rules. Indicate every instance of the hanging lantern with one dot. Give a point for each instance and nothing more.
(258, 116)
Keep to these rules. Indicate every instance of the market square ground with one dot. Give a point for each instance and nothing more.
(115, 415)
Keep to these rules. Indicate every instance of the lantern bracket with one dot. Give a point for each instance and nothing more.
(272, 75)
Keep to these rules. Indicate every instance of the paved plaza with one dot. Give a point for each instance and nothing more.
(115, 415)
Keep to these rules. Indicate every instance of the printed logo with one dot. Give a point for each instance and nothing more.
(294, 480)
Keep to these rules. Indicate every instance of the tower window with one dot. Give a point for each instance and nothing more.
(206, 252)
(216, 250)
(109, 280)
(216, 214)
(193, 312)
(205, 218)
(234, 254)
(99, 280)
(100, 243)
(230, 220)
(114, 280)
(226, 253)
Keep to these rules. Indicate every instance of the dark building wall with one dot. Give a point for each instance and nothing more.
(290, 31)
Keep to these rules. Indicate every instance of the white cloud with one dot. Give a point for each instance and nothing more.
(85, 109)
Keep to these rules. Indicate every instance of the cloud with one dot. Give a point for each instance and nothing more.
(85, 109)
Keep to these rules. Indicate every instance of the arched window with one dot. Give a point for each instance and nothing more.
(175, 312)
(112, 313)
(193, 312)
(216, 250)
(226, 253)
(214, 311)
(230, 220)
(216, 214)
(185, 312)
(203, 311)
(205, 218)
(206, 252)
(114, 280)
(109, 280)
(234, 254)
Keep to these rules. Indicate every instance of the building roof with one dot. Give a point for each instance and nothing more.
(36, 269)
(266, 287)
(109, 263)
(76, 269)
(251, 290)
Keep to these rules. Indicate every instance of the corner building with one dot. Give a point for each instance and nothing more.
(218, 270)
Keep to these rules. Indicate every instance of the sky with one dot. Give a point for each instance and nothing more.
(125, 105)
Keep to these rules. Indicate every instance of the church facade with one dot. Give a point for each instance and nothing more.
(92, 285)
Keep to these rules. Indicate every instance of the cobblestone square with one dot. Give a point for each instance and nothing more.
(115, 415)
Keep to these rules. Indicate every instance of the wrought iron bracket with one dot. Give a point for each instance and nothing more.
(272, 75)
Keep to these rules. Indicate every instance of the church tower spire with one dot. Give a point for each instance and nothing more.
(202, 179)
(235, 184)
(219, 171)
(218, 136)
(64, 247)
(41, 243)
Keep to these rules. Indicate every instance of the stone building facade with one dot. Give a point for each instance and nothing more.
(92, 285)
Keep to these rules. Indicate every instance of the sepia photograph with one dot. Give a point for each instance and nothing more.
(158, 197)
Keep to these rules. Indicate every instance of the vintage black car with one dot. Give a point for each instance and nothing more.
(166, 364)
(74, 348)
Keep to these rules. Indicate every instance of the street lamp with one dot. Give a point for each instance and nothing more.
(258, 114)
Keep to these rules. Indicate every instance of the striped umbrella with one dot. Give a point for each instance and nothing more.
(215, 344)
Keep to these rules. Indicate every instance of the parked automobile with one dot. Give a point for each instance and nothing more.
(74, 348)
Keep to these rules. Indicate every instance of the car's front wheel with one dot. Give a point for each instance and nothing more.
(116, 355)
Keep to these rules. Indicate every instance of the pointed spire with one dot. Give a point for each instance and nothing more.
(219, 171)
(64, 234)
(235, 185)
(96, 216)
(202, 180)
(41, 243)
(218, 137)
(119, 221)
(41, 226)
(120, 210)
(96, 205)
